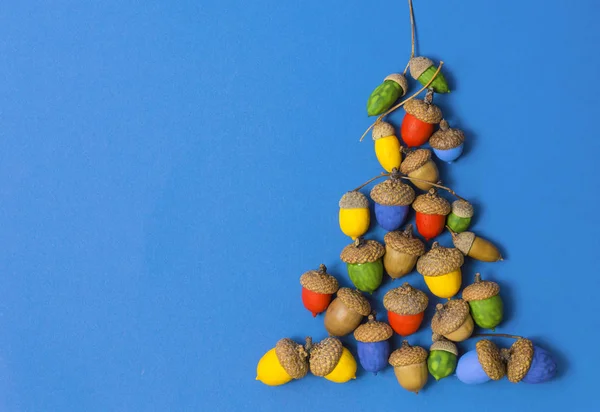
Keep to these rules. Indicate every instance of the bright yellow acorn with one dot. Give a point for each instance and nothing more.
(355, 217)
(387, 146)
(332, 361)
(286, 361)
(441, 269)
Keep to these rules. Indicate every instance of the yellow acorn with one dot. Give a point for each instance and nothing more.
(354, 214)
(452, 320)
(286, 361)
(387, 146)
(477, 248)
(332, 361)
(441, 269)
(410, 366)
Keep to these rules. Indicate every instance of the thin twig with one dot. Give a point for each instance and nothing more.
(412, 33)
(371, 180)
(496, 335)
(432, 184)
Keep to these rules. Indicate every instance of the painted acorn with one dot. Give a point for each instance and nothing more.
(447, 143)
(481, 365)
(422, 69)
(460, 217)
(332, 361)
(475, 247)
(385, 95)
(346, 312)
(441, 269)
(419, 165)
(431, 211)
(410, 366)
(286, 361)
(387, 146)
(363, 259)
(452, 320)
(528, 363)
(354, 215)
(373, 344)
(406, 307)
(486, 305)
(402, 250)
(392, 200)
(317, 288)
(443, 356)
(419, 121)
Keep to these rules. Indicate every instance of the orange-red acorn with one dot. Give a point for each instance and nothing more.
(317, 288)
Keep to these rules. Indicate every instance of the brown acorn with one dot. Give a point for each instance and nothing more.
(402, 250)
(406, 308)
(410, 366)
(453, 320)
(418, 164)
(477, 248)
(346, 312)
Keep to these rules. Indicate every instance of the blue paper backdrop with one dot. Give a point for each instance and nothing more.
(168, 169)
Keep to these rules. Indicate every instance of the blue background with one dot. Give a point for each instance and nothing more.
(168, 170)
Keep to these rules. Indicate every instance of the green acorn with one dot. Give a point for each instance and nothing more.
(460, 217)
(422, 69)
(385, 95)
(485, 302)
(443, 356)
(363, 260)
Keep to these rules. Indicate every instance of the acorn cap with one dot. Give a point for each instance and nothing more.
(480, 290)
(373, 331)
(354, 300)
(405, 300)
(418, 65)
(400, 79)
(449, 316)
(440, 261)
(425, 112)
(431, 203)
(405, 242)
(362, 251)
(446, 138)
(293, 357)
(519, 361)
(393, 192)
(354, 200)
(319, 281)
(462, 208)
(325, 355)
(408, 355)
(383, 129)
(414, 160)
(463, 241)
(489, 357)
(445, 345)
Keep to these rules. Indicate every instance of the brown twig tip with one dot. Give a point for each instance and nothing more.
(452, 232)
(372, 317)
(435, 245)
(405, 344)
(477, 277)
(358, 241)
(439, 306)
(308, 344)
(408, 230)
(429, 97)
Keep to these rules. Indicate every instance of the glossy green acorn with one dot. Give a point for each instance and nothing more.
(442, 359)
(422, 69)
(385, 95)
(365, 268)
(485, 302)
(459, 219)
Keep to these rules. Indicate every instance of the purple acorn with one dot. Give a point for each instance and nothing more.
(373, 344)
(528, 363)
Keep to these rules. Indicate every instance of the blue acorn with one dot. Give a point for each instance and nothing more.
(392, 202)
(528, 363)
(373, 344)
(447, 143)
(481, 365)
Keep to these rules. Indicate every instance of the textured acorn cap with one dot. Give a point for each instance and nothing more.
(319, 281)
(293, 357)
(408, 355)
(400, 79)
(447, 137)
(393, 192)
(383, 129)
(425, 112)
(405, 242)
(418, 65)
(519, 359)
(489, 357)
(445, 345)
(354, 200)
(431, 203)
(354, 300)
(480, 290)
(325, 355)
(449, 316)
(366, 251)
(414, 160)
(462, 208)
(405, 300)
(463, 241)
(440, 261)
(373, 331)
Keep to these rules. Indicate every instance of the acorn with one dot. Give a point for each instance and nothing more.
(431, 211)
(402, 250)
(332, 361)
(392, 200)
(410, 366)
(419, 121)
(385, 95)
(452, 320)
(447, 143)
(475, 247)
(443, 356)
(418, 164)
(485, 302)
(286, 361)
(422, 69)
(355, 217)
(406, 307)
(317, 288)
(387, 146)
(481, 365)
(441, 269)
(528, 363)
(459, 218)
(363, 259)
(346, 312)
(373, 344)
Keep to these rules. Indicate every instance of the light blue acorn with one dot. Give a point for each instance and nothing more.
(447, 143)
(481, 365)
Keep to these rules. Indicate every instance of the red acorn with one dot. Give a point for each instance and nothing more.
(431, 211)
(317, 288)
(420, 120)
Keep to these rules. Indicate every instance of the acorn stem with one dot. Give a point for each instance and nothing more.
(412, 34)
(308, 344)
(322, 269)
(429, 97)
(477, 277)
(496, 335)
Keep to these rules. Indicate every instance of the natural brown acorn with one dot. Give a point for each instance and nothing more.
(346, 312)
(406, 308)
(477, 248)
(418, 164)
(402, 250)
(453, 320)
(410, 366)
